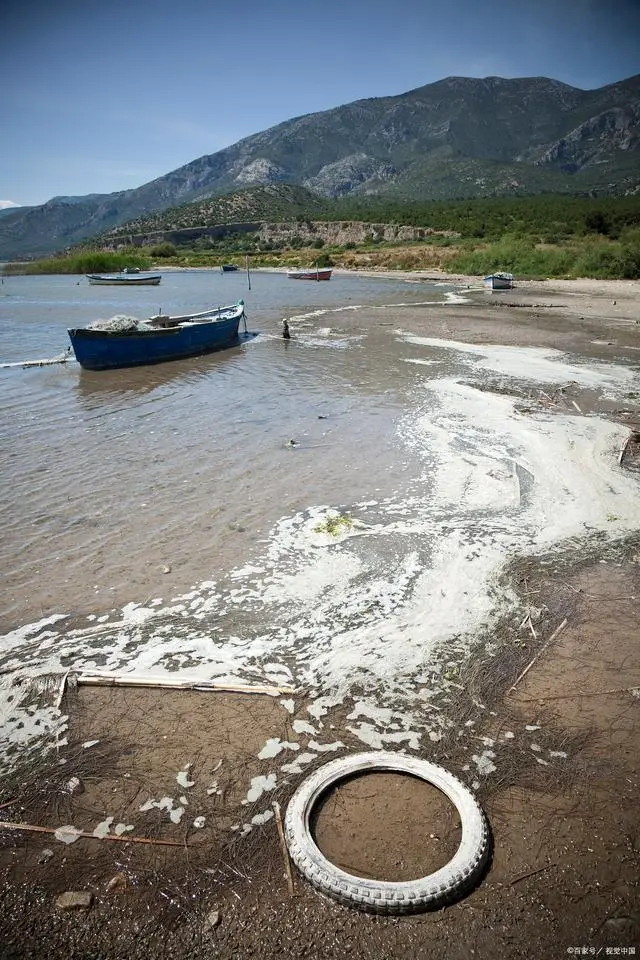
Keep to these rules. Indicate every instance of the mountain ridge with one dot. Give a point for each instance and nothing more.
(457, 137)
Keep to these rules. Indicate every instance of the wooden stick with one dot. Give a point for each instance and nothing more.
(532, 873)
(285, 852)
(9, 803)
(61, 692)
(179, 683)
(577, 696)
(539, 654)
(32, 828)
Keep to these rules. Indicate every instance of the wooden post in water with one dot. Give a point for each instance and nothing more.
(248, 274)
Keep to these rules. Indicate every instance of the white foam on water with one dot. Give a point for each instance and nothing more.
(67, 834)
(183, 777)
(121, 828)
(103, 828)
(165, 803)
(300, 761)
(301, 726)
(325, 747)
(540, 364)
(484, 762)
(456, 298)
(260, 785)
(274, 746)
(379, 612)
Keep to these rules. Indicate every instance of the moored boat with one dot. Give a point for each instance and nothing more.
(129, 277)
(321, 273)
(499, 281)
(128, 342)
(229, 267)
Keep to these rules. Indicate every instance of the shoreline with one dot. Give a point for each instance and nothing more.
(548, 858)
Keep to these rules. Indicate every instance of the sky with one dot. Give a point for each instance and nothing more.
(99, 97)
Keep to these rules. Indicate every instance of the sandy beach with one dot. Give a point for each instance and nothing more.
(543, 713)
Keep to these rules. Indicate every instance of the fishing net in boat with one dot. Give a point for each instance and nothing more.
(120, 323)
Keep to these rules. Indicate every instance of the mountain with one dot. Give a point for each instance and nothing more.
(459, 137)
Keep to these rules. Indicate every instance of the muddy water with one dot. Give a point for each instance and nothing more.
(111, 479)
(174, 518)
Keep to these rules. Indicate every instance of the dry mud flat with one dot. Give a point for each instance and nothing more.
(564, 874)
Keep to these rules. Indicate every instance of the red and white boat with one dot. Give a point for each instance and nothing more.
(319, 273)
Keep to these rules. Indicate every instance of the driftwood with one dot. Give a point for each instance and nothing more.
(100, 678)
(32, 828)
(579, 696)
(61, 691)
(283, 844)
(538, 654)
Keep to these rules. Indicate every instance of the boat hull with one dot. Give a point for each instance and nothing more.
(125, 281)
(309, 274)
(498, 282)
(107, 350)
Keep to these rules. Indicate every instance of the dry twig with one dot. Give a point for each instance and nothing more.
(32, 828)
(285, 852)
(539, 654)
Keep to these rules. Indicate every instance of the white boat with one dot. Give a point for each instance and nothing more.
(499, 281)
(129, 277)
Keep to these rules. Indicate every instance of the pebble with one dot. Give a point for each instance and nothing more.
(212, 921)
(74, 900)
(74, 786)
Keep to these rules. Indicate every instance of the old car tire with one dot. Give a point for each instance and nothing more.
(382, 896)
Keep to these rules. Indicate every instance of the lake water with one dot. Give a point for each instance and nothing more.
(173, 517)
(109, 477)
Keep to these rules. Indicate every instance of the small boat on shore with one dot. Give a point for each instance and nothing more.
(322, 273)
(229, 267)
(499, 281)
(129, 342)
(129, 277)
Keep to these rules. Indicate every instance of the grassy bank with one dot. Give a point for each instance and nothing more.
(591, 255)
(584, 257)
(96, 261)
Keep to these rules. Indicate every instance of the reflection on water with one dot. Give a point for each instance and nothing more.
(95, 385)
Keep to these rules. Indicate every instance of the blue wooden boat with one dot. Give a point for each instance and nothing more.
(128, 342)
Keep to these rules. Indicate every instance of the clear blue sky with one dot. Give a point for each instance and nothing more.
(104, 96)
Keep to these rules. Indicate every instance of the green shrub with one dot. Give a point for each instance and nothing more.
(165, 249)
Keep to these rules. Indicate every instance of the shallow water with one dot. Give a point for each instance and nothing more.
(110, 477)
(165, 516)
